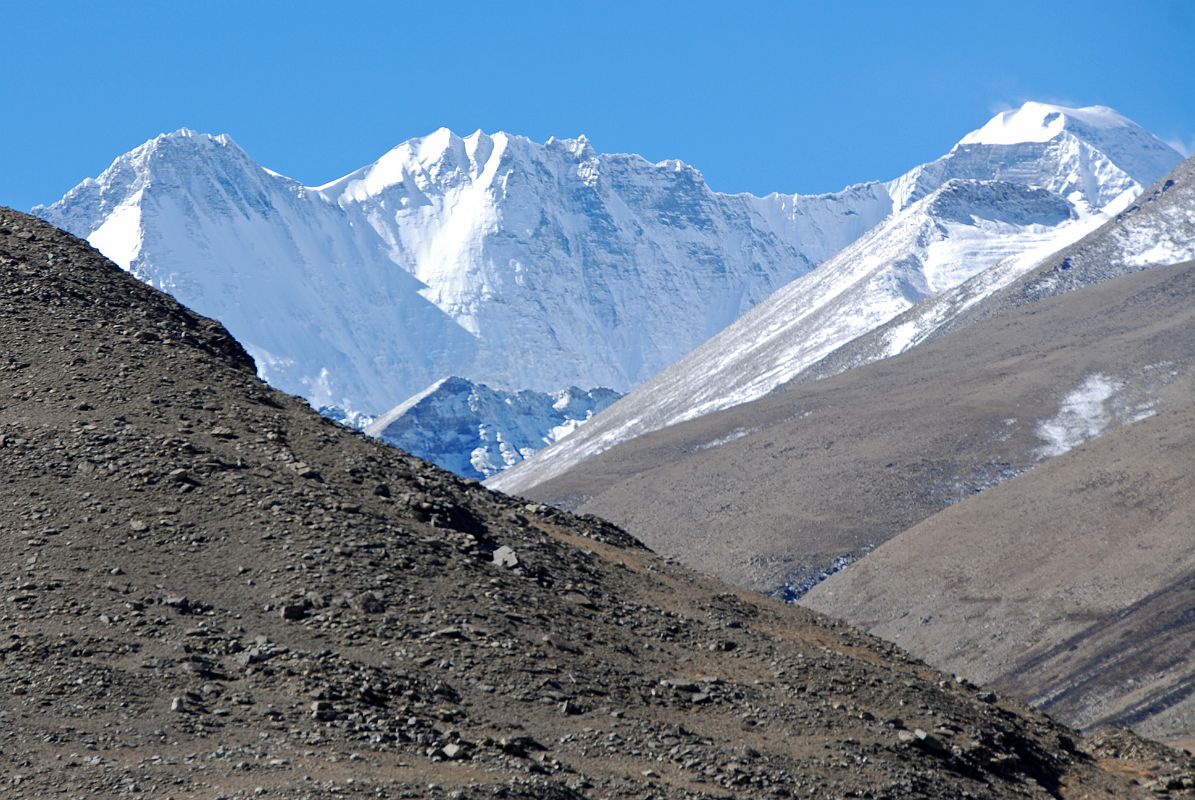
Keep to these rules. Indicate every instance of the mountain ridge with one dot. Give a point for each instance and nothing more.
(515, 264)
(448, 176)
(862, 289)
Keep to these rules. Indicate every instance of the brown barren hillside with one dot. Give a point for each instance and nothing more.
(1071, 586)
(210, 591)
(773, 491)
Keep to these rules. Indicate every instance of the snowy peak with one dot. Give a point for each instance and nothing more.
(1091, 156)
(516, 264)
(580, 148)
(184, 152)
(526, 265)
(1101, 130)
(477, 431)
(161, 159)
(440, 158)
(1041, 122)
(1126, 144)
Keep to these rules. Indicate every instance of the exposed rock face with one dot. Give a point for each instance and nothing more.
(476, 431)
(211, 591)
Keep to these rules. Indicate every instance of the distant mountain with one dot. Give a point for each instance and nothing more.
(475, 431)
(507, 262)
(305, 286)
(1027, 184)
(526, 266)
(775, 492)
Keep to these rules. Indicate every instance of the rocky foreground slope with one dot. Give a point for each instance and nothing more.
(209, 591)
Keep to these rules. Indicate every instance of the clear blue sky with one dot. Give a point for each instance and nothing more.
(761, 96)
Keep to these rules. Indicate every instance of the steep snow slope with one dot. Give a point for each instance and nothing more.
(476, 431)
(312, 296)
(1156, 230)
(514, 263)
(991, 207)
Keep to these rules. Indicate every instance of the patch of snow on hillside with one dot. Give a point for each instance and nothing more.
(1081, 416)
(738, 433)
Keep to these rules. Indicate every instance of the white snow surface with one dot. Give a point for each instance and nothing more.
(516, 264)
(979, 217)
(476, 431)
(1081, 416)
(1133, 149)
(1099, 403)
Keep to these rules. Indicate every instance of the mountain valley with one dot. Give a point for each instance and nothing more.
(951, 409)
(212, 591)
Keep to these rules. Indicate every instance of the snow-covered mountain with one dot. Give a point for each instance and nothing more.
(516, 264)
(476, 431)
(303, 284)
(1025, 185)
(539, 266)
(1156, 230)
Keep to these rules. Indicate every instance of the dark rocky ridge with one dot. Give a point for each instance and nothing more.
(209, 591)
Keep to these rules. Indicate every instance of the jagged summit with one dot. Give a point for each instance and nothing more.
(432, 157)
